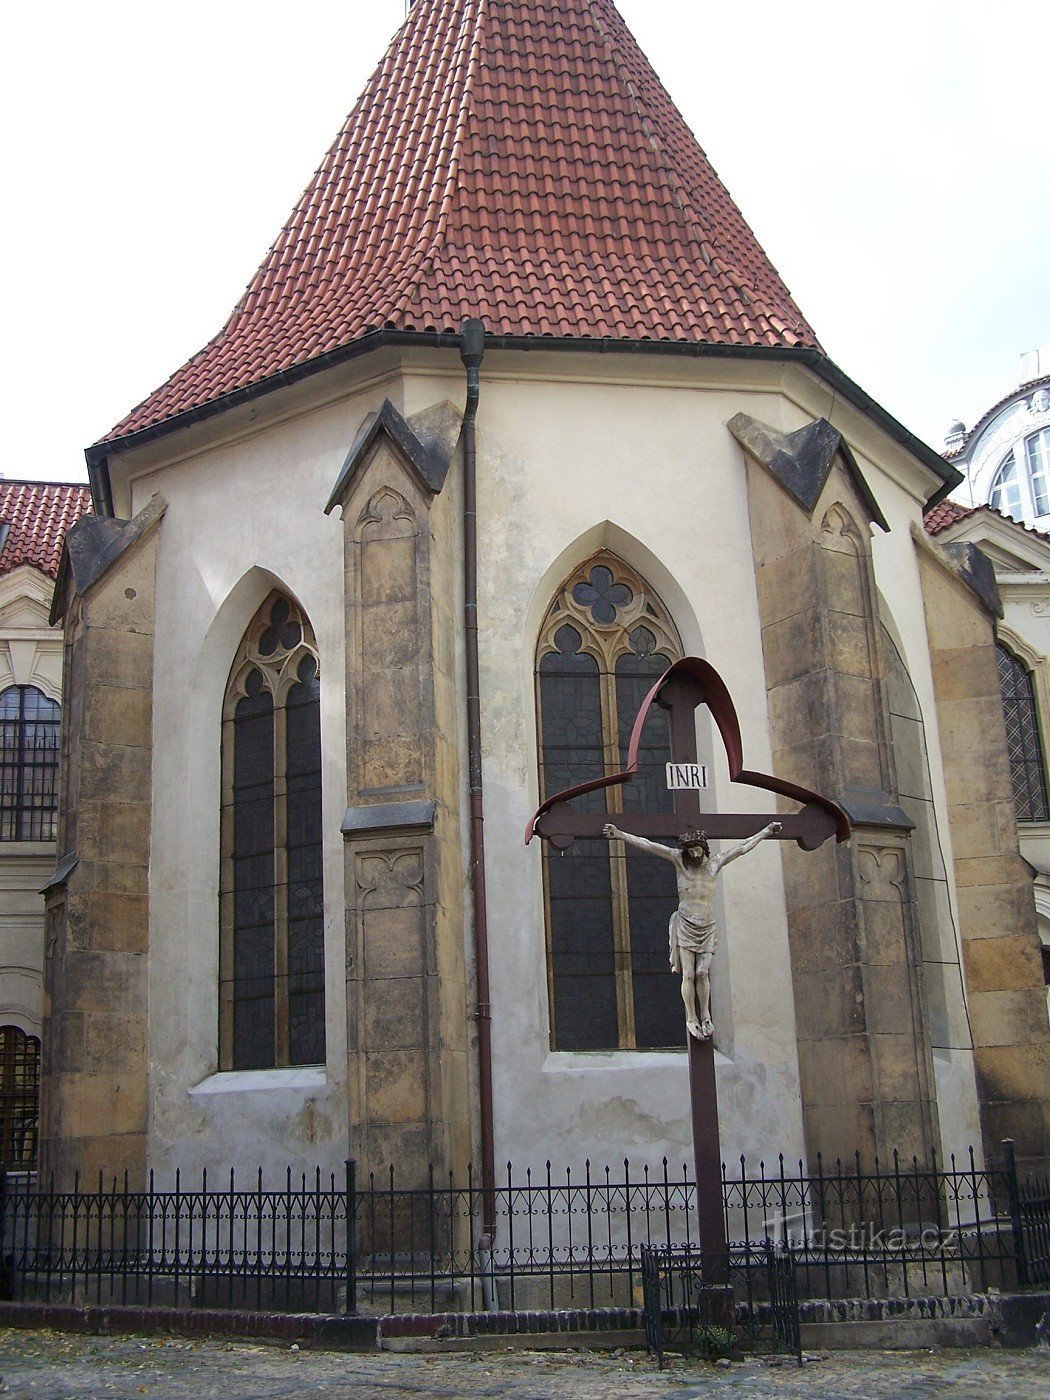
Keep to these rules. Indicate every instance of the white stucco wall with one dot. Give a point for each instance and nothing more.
(242, 519)
(648, 471)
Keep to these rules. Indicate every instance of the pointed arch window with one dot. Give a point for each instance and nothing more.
(29, 740)
(1023, 743)
(606, 639)
(271, 892)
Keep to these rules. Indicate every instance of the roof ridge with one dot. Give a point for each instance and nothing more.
(461, 124)
(712, 249)
(428, 256)
(42, 481)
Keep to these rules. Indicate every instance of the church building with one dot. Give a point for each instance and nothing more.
(516, 413)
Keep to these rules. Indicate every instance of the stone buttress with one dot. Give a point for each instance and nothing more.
(408, 1076)
(864, 1049)
(1002, 956)
(96, 1068)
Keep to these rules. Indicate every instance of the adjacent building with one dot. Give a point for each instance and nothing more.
(34, 517)
(1005, 457)
(1001, 508)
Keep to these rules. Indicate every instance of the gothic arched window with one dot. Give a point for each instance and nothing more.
(606, 639)
(271, 893)
(19, 1098)
(1023, 745)
(29, 725)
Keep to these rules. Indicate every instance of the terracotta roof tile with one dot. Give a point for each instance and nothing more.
(947, 513)
(518, 161)
(38, 514)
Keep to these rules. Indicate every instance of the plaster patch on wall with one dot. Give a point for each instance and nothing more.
(310, 1125)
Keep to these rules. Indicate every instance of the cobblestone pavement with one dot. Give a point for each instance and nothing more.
(51, 1364)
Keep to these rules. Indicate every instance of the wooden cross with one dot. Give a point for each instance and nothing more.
(680, 690)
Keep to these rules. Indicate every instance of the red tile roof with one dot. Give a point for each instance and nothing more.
(38, 514)
(945, 513)
(517, 161)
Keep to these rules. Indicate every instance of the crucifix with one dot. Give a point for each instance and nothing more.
(682, 688)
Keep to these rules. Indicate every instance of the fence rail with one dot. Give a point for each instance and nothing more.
(329, 1242)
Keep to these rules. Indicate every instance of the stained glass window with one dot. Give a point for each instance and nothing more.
(1023, 745)
(271, 893)
(29, 748)
(606, 640)
(19, 1098)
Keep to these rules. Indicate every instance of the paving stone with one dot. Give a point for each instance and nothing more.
(51, 1365)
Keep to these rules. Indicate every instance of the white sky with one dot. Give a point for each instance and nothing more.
(892, 159)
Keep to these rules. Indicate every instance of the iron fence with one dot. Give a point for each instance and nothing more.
(754, 1307)
(1030, 1212)
(329, 1242)
(277, 1247)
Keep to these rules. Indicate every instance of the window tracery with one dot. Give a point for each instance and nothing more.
(605, 641)
(271, 889)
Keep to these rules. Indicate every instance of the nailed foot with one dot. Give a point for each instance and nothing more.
(707, 1030)
(695, 1029)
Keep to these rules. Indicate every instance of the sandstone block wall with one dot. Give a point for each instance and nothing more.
(405, 960)
(863, 1039)
(1002, 958)
(96, 1074)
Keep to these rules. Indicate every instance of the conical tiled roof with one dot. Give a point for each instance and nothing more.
(516, 160)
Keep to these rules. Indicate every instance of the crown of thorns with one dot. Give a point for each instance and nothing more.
(693, 838)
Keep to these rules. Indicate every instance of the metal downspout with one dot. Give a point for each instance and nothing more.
(472, 351)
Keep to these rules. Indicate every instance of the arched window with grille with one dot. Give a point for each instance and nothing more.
(29, 725)
(1023, 743)
(606, 639)
(271, 895)
(19, 1098)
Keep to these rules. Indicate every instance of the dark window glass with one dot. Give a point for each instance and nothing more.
(253, 879)
(273, 1003)
(29, 748)
(306, 1037)
(1023, 745)
(579, 888)
(19, 1098)
(652, 891)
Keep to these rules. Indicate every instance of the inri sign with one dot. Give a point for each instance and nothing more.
(686, 777)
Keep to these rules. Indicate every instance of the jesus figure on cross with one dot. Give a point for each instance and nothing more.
(693, 932)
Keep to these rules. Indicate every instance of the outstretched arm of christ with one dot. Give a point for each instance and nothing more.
(652, 848)
(745, 846)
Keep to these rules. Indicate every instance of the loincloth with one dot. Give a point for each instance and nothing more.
(692, 935)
